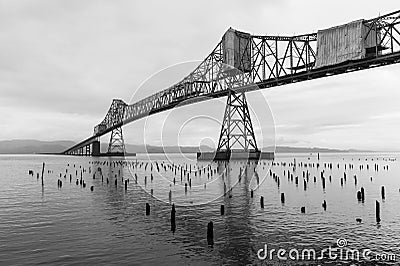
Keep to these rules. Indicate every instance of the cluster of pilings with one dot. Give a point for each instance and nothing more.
(292, 171)
(296, 171)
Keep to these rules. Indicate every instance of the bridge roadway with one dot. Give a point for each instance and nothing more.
(267, 67)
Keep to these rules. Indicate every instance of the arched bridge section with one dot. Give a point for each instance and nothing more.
(242, 62)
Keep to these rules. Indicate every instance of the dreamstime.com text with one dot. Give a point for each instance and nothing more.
(340, 253)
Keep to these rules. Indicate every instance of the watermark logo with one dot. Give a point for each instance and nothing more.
(339, 253)
(341, 242)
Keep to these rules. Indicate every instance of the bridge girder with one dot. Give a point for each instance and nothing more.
(274, 61)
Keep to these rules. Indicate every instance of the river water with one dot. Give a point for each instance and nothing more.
(74, 225)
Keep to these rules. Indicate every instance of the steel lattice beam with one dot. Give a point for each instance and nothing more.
(116, 144)
(236, 130)
(275, 61)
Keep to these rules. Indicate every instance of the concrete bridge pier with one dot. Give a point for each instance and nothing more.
(96, 148)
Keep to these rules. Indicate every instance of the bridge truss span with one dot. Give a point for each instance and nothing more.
(243, 62)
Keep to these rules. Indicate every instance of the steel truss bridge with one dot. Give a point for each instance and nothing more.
(241, 63)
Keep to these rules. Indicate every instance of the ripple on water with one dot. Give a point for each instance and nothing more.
(73, 225)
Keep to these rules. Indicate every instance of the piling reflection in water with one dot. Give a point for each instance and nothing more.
(115, 216)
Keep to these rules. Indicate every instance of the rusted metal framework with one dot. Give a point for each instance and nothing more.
(274, 61)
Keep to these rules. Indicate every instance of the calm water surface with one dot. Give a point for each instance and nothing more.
(74, 225)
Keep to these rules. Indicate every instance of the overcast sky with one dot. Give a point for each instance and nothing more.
(62, 63)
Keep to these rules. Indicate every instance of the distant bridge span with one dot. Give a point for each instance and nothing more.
(242, 62)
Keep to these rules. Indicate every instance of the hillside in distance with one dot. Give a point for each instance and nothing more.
(38, 146)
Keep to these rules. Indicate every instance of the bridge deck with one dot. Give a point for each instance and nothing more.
(262, 65)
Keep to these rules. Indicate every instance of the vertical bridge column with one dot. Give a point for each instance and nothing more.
(116, 146)
(237, 138)
(237, 130)
(96, 148)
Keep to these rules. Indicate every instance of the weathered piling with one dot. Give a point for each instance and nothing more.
(377, 212)
(173, 224)
(362, 194)
(282, 198)
(251, 193)
(210, 233)
(91, 188)
(262, 202)
(324, 205)
(383, 192)
(42, 174)
(303, 209)
(359, 197)
(222, 209)
(147, 209)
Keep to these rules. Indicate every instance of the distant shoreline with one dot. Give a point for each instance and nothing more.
(164, 153)
(57, 147)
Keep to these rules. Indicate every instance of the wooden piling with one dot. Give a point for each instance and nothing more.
(42, 174)
(324, 205)
(383, 192)
(282, 198)
(359, 197)
(147, 209)
(222, 209)
(262, 202)
(173, 224)
(377, 212)
(362, 194)
(210, 233)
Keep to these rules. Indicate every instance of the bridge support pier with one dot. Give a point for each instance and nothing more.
(237, 139)
(96, 148)
(116, 146)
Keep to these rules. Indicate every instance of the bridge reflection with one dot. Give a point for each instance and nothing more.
(233, 231)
